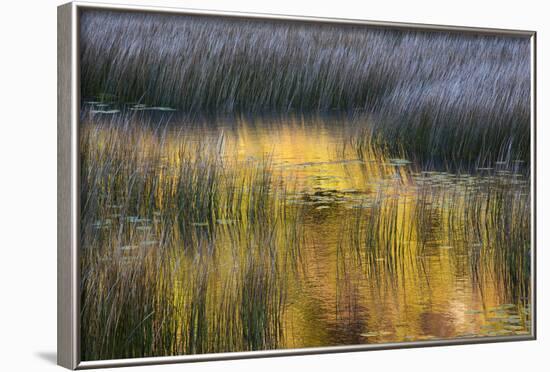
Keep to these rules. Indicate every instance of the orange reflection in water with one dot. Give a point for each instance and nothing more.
(361, 248)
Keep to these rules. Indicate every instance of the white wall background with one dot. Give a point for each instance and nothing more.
(28, 184)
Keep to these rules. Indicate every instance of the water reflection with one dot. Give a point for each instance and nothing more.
(261, 233)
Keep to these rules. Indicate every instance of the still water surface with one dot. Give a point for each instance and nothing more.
(384, 251)
(432, 295)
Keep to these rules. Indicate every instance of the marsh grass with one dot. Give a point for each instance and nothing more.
(483, 218)
(461, 149)
(189, 247)
(451, 97)
(182, 251)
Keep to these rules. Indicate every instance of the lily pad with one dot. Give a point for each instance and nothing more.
(399, 162)
(106, 112)
(145, 108)
(223, 221)
(136, 219)
(376, 334)
(473, 312)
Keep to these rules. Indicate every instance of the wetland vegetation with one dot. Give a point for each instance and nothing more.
(256, 184)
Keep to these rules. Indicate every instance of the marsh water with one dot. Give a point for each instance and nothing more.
(270, 184)
(249, 233)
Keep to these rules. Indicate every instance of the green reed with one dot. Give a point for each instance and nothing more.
(185, 249)
(182, 251)
(485, 217)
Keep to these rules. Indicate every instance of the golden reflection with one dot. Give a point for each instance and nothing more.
(276, 234)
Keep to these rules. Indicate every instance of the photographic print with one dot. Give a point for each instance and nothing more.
(256, 184)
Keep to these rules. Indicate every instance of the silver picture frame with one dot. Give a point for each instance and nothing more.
(68, 203)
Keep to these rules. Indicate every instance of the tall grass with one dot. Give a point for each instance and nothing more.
(452, 96)
(464, 147)
(486, 219)
(187, 248)
(183, 251)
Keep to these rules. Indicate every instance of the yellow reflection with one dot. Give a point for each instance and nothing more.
(247, 235)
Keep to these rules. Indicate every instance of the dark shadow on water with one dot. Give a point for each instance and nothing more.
(48, 356)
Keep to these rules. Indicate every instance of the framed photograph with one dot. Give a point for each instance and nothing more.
(236, 185)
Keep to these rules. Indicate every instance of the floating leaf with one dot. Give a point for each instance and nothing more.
(135, 219)
(399, 162)
(508, 306)
(145, 108)
(376, 334)
(515, 327)
(106, 112)
(473, 312)
(223, 221)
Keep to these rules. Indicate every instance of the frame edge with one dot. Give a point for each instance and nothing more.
(68, 65)
(66, 340)
(426, 27)
(534, 180)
